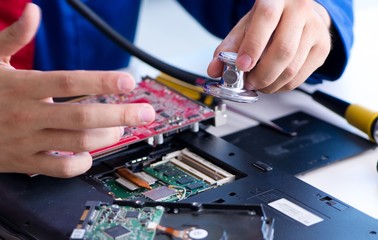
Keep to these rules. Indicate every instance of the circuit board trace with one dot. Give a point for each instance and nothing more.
(174, 113)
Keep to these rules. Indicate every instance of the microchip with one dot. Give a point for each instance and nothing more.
(164, 115)
(117, 232)
(193, 116)
(160, 194)
(160, 127)
(194, 186)
(170, 173)
(132, 214)
(184, 180)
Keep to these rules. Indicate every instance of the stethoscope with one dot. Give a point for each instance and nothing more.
(229, 87)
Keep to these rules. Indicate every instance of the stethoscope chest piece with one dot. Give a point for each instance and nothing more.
(231, 85)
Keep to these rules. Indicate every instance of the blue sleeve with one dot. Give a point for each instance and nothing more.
(218, 17)
(66, 40)
(341, 12)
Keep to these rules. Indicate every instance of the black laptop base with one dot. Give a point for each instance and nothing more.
(50, 208)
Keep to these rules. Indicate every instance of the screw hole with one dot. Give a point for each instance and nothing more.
(220, 200)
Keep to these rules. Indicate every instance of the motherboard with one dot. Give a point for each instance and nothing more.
(173, 177)
(148, 221)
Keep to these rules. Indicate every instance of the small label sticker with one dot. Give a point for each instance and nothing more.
(198, 233)
(295, 212)
(78, 234)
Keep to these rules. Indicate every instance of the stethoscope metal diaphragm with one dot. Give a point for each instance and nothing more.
(231, 85)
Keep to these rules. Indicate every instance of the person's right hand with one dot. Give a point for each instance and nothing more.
(32, 125)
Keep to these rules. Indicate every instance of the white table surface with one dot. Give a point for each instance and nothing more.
(166, 31)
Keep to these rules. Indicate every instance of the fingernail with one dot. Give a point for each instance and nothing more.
(125, 84)
(146, 115)
(244, 62)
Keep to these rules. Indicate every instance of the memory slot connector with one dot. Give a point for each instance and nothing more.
(193, 171)
(201, 168)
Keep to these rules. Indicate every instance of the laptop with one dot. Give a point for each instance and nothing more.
(192, 183)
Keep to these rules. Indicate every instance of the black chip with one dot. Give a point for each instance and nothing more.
(193, 116)
(164, 115)
(117, 232)
(194, 186)
(147, 209)
(132, 214)
(160, 127)
(170, 173)
(184, 180)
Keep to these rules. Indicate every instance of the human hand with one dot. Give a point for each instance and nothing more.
(31, 125)
(280, 43)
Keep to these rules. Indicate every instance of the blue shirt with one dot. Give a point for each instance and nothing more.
(67, 41)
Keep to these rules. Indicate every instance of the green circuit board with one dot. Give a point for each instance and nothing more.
(108, 222)
(167, 176)
(177, 176)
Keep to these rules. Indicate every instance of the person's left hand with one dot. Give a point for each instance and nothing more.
(280, 43)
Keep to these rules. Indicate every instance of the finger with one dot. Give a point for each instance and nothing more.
(215, 68)
(76, 140)
(17, 35)
(287, 75)
(262, 24)
(83, 116)
(294, 67)
(60, 166)
(314, 60)
(72, 83)
(280, 53)
(314, 49)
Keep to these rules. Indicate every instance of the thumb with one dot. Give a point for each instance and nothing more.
(17, 35)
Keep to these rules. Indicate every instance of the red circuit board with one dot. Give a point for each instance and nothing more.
(173, 112)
